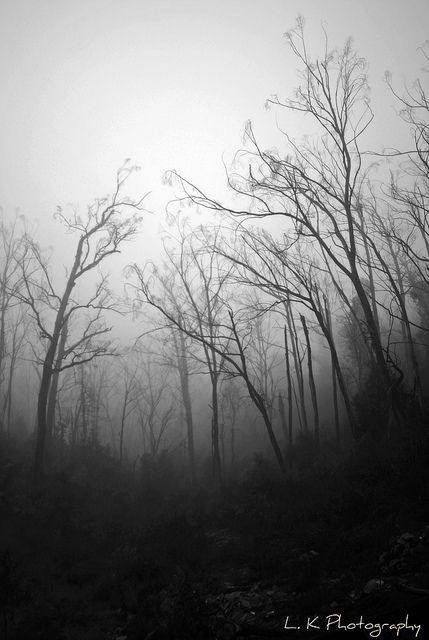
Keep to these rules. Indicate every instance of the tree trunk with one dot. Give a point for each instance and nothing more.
(52, 400)
(233, 418)
(47, 370)
(333, 377)
(311, 382)
(217, 465)
(121, 435)
(298, 366)
(7, 408)
(374, 334)
(370, 270)
(256, 397)
(8, 398)
(335, 403)
(286, 431)
(39, 460)
(83, 399)
(289, 394)
(271, 435)
(187, 404)
(326, 327)
(405, 324)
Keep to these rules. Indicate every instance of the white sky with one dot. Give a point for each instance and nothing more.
(170, 84)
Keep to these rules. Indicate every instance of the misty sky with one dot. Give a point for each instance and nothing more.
(170, 84)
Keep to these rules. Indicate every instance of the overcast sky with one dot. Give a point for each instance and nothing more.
(168, 83)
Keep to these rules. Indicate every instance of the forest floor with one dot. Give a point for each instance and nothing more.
(102, 554)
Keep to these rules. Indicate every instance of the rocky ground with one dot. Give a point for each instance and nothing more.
(99, 554)
(398, 594)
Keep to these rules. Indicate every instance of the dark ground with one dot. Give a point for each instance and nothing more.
(99, 553)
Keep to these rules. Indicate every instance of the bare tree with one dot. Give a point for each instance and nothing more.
(328, 317)
(101, 234)
(264, 357)
(181, 359)
(53, 391)
(410, 188)
(387, 258)
(128, 401)
(189, 290)
(230, 408)
(155, 406)
(289, 423)
(227, 339)
(12, 320)
(172, 349)
(311, 381)
(317, 186)
(288, 275)
(15, 342)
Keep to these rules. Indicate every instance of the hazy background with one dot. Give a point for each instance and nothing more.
(86, 84)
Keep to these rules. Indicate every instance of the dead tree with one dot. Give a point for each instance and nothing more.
(283, 272)
(16, 340)
(297, 359)
(189, 290)
(155, 406)
(230, 409)
(328, 317)
(12, 321)
(311, 381)
(173, 350)
(224, 340)
(409, 188)
(289, 392)
(52, 398)
(101, 234)
(181, 358)
(316, 187)
(128, 402)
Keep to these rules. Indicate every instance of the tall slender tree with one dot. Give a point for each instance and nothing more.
(101, 234)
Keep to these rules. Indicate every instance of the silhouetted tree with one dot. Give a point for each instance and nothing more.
(224, 337)
(410, 187)
(317, 186)
(189, 293)
(12, 320)
(281, 270)
(128, 399)
(102, 232)
(156, 405)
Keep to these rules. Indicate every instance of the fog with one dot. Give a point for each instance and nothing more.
(214, 316)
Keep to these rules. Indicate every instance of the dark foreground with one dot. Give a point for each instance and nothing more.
(99, 553)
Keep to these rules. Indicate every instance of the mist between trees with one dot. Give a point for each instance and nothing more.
(293, 323)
